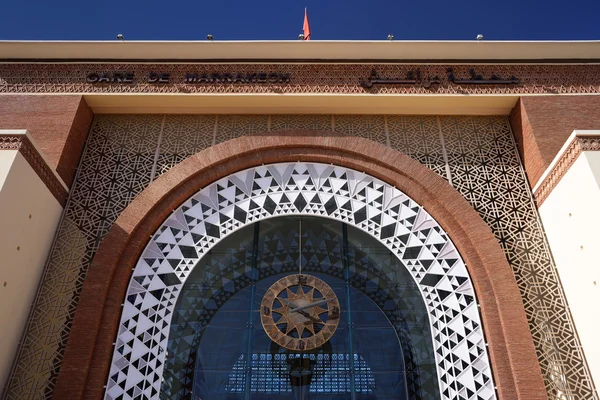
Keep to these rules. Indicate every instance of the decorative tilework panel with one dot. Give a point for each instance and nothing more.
(332, 78)
(233, 126)
(418, 137)
(355, 198)
(367, 126)
(182, 136)
(482, 164)
(485, 168)
(116, 166)
(310, 122)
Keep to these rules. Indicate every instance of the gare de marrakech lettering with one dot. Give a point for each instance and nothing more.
(413, 77)
(214, 77)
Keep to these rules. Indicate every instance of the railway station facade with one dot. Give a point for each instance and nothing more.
(299, 220)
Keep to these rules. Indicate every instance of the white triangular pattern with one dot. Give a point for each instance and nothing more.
(326, 182)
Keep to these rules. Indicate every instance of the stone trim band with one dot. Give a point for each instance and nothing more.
(280, 78)
(576, 145)
(27, 149)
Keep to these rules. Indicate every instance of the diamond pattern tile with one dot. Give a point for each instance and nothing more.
(476, 155)
(371, 205)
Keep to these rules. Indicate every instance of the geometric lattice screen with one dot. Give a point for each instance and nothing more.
(311, 189)
(476, 155)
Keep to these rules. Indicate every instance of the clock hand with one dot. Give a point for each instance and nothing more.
(315, 304)
(287, 302)
(307, 315)
(294, 308)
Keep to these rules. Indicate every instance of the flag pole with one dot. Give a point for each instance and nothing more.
(306, 27)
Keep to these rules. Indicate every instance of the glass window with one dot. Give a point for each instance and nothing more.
(381, 349)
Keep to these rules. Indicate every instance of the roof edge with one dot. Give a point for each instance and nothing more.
(302, 51)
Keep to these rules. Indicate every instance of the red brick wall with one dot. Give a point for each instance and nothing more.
(58, 125)
(542, 124)
(86, 363)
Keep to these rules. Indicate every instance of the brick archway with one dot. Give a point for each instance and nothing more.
(89, 350)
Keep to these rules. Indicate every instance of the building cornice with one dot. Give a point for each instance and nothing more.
(21, 141)
(303, 51)
(578, 142)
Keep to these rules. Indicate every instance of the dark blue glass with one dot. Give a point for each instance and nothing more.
(382, 348)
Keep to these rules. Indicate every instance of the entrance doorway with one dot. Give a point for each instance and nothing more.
(381, 349)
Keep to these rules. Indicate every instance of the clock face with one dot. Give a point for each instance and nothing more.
(300, 312)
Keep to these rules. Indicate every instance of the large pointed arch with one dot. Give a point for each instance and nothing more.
(87, 357)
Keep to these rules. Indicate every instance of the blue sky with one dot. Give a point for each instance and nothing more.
(282, 20)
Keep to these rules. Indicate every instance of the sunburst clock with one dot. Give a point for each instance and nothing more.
(300, 312)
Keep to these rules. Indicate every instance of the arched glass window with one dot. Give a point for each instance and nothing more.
(382, 348)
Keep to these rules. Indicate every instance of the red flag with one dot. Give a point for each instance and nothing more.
(306, 26)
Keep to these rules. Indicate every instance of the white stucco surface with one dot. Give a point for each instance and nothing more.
(571, 218)
(7, 157)
(24, 245)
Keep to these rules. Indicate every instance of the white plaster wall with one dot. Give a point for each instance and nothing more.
(24, 246)
(571, 218)
(7, 157)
